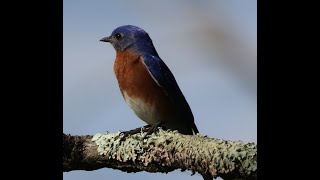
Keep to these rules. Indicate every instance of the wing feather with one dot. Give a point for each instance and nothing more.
(162, 75)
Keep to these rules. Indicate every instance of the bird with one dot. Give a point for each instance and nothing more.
(146, 83)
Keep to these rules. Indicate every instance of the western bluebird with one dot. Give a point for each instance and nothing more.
(146, 83)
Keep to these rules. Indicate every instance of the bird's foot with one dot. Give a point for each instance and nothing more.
(134, 131)
(148, 129)
(154, 128)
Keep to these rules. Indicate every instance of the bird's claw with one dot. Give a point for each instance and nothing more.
(148, 129)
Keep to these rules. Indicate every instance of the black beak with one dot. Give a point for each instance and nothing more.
(105, 39)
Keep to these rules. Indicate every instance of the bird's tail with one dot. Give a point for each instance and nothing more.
(194, 128)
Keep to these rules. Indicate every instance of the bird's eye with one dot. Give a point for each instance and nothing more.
(118, 36)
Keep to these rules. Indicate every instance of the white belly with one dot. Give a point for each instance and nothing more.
(144, 111)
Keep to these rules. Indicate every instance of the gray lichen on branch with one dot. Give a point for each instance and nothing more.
(166, 151)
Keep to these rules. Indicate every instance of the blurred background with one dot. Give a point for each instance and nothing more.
(209, 45)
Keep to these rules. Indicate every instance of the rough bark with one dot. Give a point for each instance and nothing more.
(163, 151)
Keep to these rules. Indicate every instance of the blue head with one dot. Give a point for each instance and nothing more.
(129, 36)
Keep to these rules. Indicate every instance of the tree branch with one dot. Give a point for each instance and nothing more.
(163, 151)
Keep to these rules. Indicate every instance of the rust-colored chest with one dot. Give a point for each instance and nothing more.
(134, 78)
(132, 75)
(148, 100)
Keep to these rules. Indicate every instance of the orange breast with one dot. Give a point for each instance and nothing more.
(148, 100)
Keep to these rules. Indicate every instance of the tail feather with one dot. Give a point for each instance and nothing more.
(194, 128)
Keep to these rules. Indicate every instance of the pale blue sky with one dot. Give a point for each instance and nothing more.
(210, 47)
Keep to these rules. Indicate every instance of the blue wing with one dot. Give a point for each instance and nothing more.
(165, 79)
(162, 75)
